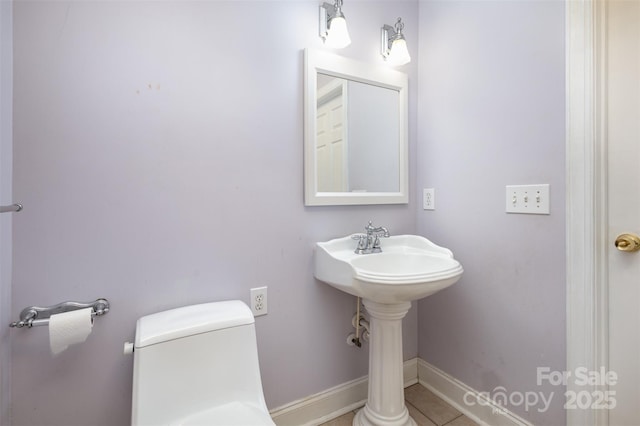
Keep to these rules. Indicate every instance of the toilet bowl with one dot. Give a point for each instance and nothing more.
(198, 365)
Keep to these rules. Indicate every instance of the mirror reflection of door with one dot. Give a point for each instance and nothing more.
(331, 138)
(357, 137)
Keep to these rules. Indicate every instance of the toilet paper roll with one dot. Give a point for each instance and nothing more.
(68, 328)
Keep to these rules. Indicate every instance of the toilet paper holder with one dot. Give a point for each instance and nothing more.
(34, 316)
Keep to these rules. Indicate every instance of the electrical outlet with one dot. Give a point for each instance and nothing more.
(528, 199)
(429, 199)
(259, 301)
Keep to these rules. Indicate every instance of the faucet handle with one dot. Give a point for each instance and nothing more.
(362, 238)
(376, 244)
(363, 242)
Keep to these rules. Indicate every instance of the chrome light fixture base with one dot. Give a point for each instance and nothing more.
(332, 25)
(393, 46)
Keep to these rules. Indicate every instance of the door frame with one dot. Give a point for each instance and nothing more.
(586, 197)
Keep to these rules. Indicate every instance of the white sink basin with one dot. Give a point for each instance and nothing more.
(410, 267)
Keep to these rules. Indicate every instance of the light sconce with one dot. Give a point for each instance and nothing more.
(393, 45)
(333, 26)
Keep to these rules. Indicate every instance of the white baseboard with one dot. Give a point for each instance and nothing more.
(334, 402)
(453, 391)
(339, 400)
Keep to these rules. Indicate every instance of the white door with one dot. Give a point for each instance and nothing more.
(623, 128)
(330, 146)
(331, 141)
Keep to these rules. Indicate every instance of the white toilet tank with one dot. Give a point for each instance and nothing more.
(198, 365)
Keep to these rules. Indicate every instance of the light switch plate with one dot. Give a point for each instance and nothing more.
(528, 199)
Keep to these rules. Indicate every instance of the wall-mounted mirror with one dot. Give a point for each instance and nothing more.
(356, 132)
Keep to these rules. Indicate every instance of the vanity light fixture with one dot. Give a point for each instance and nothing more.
(393, 45)
(333, 26)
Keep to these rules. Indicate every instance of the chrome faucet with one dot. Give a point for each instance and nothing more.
(370, 242)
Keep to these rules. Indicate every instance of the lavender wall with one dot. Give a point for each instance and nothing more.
(6, 96)
(160, 165)
(491, 113)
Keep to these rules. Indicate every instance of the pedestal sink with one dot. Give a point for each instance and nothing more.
(409, 267)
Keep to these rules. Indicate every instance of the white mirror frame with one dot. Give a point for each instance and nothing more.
(315, 62)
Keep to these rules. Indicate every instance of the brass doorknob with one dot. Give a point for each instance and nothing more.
(628, 242)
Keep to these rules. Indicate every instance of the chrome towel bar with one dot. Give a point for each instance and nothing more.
(34, 316)
(12, 208)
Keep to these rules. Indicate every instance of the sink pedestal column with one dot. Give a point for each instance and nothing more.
(385, 402)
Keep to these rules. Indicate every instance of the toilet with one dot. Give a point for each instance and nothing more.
(198, 365)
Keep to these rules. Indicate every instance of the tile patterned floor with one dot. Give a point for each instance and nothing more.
(425, 408)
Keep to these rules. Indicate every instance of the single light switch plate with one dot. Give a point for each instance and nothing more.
(528, 199)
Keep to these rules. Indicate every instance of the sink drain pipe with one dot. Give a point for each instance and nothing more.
(358, 321)
(357, 342)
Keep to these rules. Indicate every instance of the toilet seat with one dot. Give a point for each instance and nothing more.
(232, 414)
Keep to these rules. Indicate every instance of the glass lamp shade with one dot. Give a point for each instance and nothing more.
(337, 35)
(399, 54)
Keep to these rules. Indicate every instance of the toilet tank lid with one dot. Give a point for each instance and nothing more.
(190, 320)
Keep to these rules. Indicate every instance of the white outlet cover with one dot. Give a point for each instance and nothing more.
(259, 301)
(428, 199)
(527, 199)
